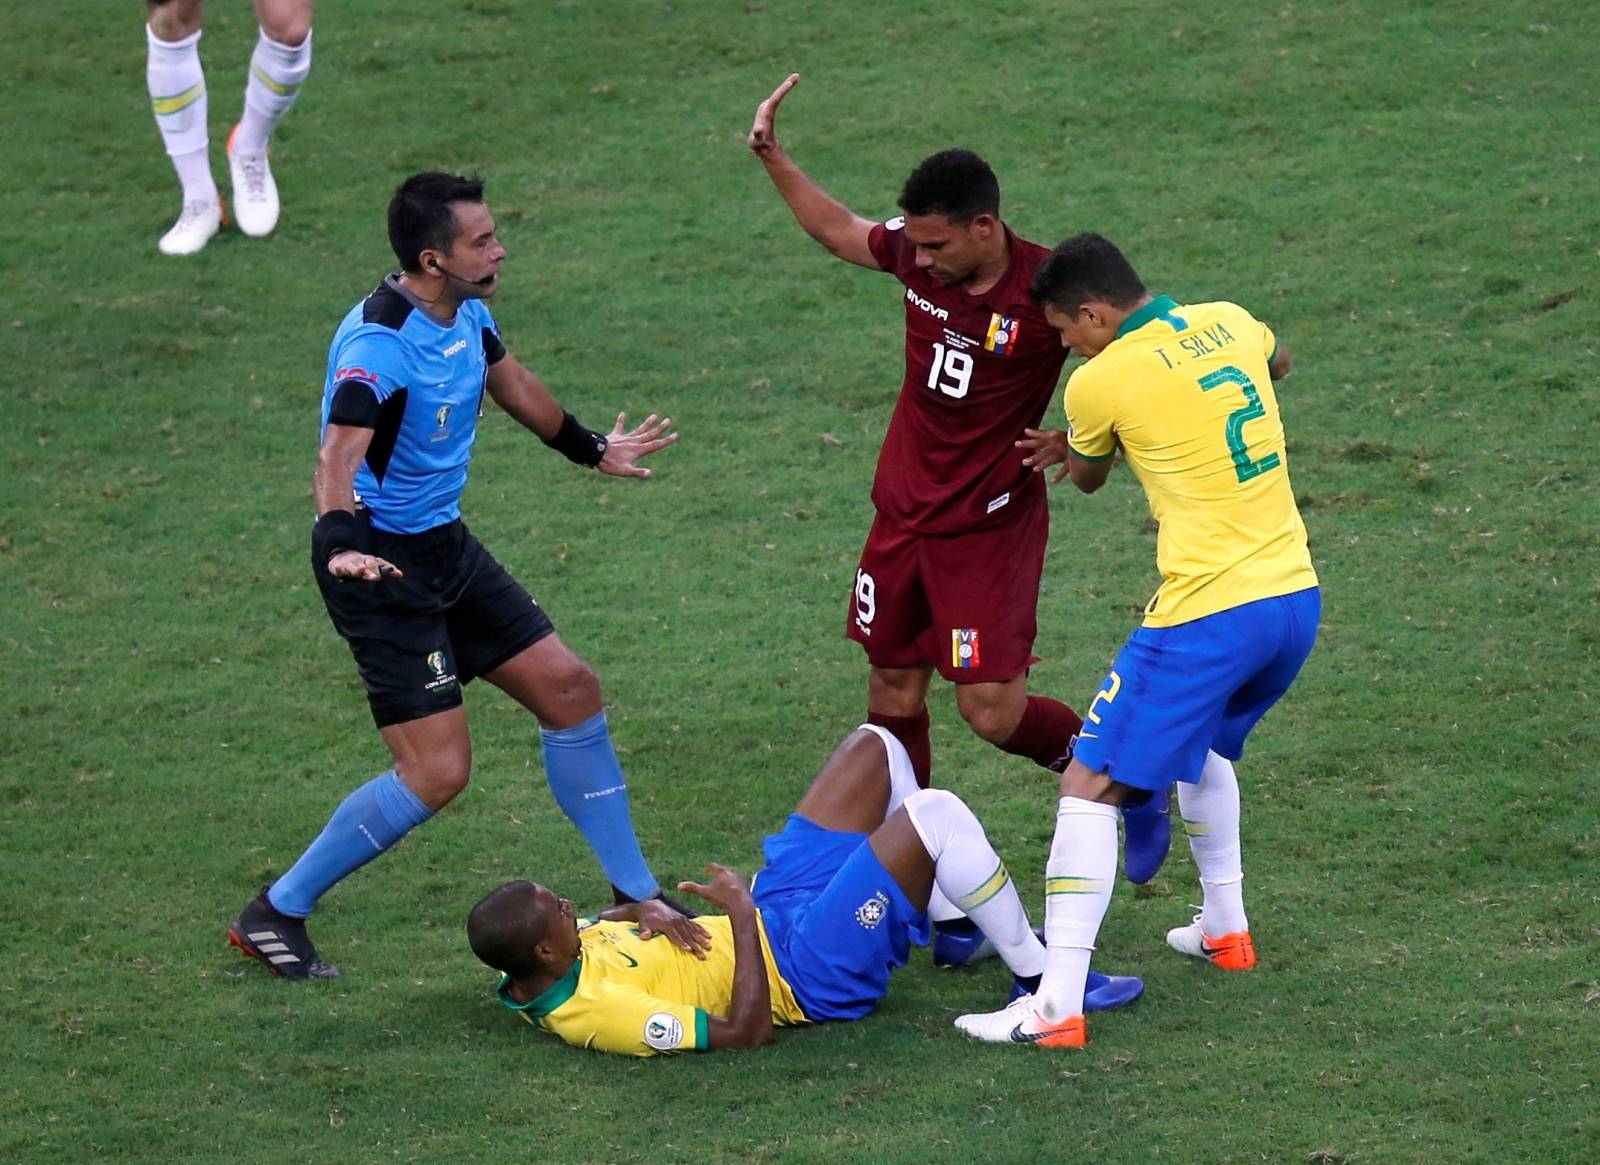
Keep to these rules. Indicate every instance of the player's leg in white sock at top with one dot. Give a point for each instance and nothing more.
(1078, 877)
(1210, 811)
(903, 784)
(177, 87)
(278, 68)
(970, 876)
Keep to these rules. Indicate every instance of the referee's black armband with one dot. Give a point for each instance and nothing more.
(355, 404)
(493, 350)
(335, 531)
(577, 443)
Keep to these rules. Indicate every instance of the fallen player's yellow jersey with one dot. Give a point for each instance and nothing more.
(640, 998)
(1185, 393)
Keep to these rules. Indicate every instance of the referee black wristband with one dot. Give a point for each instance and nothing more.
(576, 442)
(335, 531)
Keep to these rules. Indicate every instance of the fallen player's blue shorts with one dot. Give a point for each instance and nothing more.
(1175, 692)
(837, 922)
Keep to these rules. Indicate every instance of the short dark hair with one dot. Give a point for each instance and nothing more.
(1083, 268)
(955, 183)
(502, 929)
(420, 218)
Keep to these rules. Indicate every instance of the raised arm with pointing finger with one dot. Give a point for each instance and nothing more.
(823, 217)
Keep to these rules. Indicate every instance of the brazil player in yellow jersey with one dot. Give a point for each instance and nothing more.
(1184, 392)
(840, 902)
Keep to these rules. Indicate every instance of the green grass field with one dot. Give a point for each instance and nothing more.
(1406, 192)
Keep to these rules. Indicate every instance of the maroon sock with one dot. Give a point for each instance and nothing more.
(1045, 733)
(911, 731)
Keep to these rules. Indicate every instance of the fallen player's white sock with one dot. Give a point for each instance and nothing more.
(973, 878)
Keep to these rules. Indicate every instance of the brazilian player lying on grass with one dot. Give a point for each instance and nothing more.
(842, 898)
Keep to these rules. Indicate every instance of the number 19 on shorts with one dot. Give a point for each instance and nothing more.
(866, 593)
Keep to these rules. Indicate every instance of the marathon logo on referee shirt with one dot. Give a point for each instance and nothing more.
(964, 647)
(1002, 336)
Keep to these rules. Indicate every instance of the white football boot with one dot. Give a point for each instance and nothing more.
(255, 194)
(1020, 1023)
(194, 228)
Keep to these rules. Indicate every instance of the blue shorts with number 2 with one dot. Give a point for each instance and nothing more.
(1175, 692)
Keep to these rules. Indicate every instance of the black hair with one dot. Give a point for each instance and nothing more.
(420, 218)
(955, 183)
(1083, 268)
(502, 929)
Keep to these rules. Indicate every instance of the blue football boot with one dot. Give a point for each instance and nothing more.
(1146, 837)
(959, 943)
(1100, 992)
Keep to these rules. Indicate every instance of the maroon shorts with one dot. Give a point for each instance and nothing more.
(966, 603)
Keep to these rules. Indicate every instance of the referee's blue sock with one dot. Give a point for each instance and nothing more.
(370, 820)
(587, 781)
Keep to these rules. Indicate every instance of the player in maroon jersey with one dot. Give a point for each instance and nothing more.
(949, 576)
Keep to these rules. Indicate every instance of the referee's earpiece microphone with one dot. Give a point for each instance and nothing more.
(433, 264)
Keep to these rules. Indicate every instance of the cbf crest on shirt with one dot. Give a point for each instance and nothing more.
(418, 385)
(979, 369)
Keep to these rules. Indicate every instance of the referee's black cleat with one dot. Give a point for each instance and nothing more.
(278, 940)
(622, 898)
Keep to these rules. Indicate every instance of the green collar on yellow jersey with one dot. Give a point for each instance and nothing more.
(547, 1000)
(1160, 307)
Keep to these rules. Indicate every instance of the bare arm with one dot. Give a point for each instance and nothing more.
(1087, 475)
(823, 217)
(749, 1020)
(522, 394)
(1281, 362)
(333, 489)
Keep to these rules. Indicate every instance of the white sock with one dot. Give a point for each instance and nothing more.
(971, 876)
(276, 73)
(1077, 891)
(1210, 811)
(902, 778)
(177, 88)
(940, 908)
(903, 784)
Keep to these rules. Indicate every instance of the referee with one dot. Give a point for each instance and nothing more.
(424, 607)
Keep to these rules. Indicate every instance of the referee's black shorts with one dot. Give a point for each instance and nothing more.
(454, 614)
